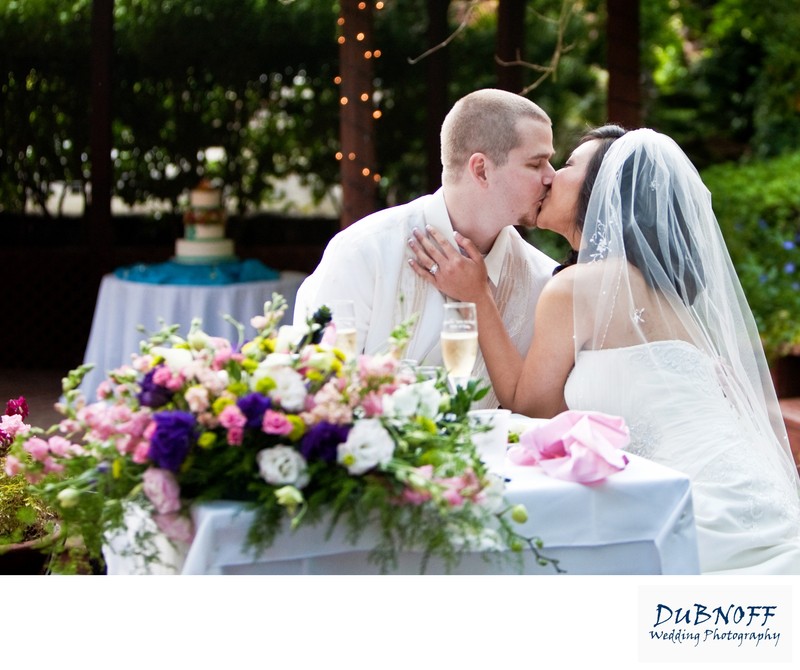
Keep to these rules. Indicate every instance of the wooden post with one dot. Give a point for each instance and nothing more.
(510, 44)
(98, 220)
(437, 79)
(356, 122)
(623, 62)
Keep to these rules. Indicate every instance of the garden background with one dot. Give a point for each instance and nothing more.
(249, 92)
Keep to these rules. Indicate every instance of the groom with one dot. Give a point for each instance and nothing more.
(496, 151)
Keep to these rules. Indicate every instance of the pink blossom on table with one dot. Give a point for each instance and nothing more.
(259, 322)
(207, 420)
(377, 366)
(104, 390)
(68, 426)
(459, 489)
(37, 448)
(197, 398)
(372, 404)
(43, 450)
(417, 490)
(583, 447)
(276, 423)
(176, 527)
(141, 451)
(14, 425)
(234, 420)
(221, 358)
(60, 446)
(329, 404)
(13, 466)
(162, 489)
(162, 375)
(52, 465)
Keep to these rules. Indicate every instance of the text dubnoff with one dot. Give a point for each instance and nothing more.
(699, 623)
(733, 622)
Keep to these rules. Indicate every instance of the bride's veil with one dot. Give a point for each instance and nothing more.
(653, 266)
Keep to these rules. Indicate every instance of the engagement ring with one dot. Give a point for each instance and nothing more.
(434, 269)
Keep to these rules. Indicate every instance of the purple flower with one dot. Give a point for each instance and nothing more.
(5, 438)
(789, 268)
(152, 394)
(320, 442)
(253, 407)
(172, 439)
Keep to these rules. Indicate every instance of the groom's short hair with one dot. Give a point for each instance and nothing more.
(484, 121)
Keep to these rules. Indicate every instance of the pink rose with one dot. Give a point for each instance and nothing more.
(13, 466)
(162, 489)
(372, 404)
(276, 423)
(232, 417)
(59, 446)
(37, 448)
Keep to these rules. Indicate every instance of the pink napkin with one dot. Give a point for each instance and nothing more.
(576, 446)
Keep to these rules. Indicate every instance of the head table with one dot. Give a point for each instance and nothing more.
(129, 300)
(638, 521)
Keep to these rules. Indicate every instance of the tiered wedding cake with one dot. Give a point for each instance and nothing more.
(204, 238)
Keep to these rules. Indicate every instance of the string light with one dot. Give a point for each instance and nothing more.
(352, 29)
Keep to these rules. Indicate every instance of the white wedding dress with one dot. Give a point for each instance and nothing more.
(747, 510)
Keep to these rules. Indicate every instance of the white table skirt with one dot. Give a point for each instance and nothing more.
(638, 521)
(122, 306)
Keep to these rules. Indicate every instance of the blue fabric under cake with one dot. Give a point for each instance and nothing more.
(172, 272)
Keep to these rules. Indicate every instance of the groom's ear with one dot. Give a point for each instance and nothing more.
(477, 166)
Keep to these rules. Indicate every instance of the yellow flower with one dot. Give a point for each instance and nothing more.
(265, 385)
(219, 404)
(116, 468)
(248, 364)
(298, 427)
(207, 440)
(237, 388)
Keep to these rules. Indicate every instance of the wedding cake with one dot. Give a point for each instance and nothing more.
(204, 220)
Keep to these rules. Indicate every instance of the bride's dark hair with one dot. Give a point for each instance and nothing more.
(672, 256)
(606, 135)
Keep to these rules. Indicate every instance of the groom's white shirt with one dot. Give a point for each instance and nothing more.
(367, 262)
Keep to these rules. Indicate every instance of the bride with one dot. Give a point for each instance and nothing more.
(650, 323)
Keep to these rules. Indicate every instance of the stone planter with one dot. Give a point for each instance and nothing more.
(28, 558)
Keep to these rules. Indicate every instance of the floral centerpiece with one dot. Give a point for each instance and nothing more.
(284, 423)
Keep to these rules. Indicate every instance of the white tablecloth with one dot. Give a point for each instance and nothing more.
(123, 305)
(638, 521)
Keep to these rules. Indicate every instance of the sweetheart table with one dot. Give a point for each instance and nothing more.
(638, 521)
(123, 305)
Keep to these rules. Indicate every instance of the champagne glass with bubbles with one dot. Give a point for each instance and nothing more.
(459, 340)
(343, 315)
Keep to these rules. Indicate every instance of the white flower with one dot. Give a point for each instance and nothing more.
(289, 337)
(283, 465)
(368, 445)
(198, 340)
(176, 359)
(290, 389)
(421, 399)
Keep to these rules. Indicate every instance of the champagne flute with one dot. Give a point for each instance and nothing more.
(343, 316)
(459, 340)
